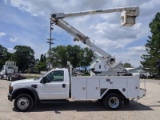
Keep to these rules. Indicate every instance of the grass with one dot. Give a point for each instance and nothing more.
(28, 77)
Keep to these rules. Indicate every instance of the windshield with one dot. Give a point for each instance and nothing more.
(9, 67)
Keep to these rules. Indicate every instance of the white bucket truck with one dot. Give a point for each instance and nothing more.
(58, 85)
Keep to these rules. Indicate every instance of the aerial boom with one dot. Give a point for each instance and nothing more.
(78, 36)
(131, 11)
(128, 15)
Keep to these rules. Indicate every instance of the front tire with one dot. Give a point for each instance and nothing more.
(112, 101)
(23, 102)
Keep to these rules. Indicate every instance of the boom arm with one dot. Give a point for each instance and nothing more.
(80, 37)
(128, 15)
(131, 11)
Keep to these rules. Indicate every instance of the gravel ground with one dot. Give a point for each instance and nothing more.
(147, 108)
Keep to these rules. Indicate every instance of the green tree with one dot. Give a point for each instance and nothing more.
(43, 58)
(41, 65)
(24, 57)
(152, 47)
(59, 56)
(87, 57)
(127, 65)
(4, 55)
(75, 54)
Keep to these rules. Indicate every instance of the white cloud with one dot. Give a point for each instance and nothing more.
(15, 39)
(115, 31)
(2, 34)
(104, 29)
(132, 55)
(137, 48)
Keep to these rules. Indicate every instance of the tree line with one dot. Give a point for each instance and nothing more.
(25, 59)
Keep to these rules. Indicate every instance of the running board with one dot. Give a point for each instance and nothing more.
(54, 101)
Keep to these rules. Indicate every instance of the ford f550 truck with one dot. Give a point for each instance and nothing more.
(57, 85)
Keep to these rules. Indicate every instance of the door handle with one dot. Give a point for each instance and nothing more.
(63, 85)
(83, 88)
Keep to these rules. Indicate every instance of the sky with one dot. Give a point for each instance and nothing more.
(26, 22)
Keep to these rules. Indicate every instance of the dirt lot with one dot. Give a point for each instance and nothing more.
(147, 108)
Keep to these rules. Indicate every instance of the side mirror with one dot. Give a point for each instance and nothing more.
(44, 80)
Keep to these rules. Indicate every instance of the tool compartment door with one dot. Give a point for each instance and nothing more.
(133, 87)
(93, 90)
(78, 88)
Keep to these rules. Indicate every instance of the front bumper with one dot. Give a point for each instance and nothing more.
(10, 97)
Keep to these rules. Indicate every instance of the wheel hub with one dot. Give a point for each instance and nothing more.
(22, 103)
(113, 102)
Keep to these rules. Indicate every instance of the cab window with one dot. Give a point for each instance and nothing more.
(55, 76)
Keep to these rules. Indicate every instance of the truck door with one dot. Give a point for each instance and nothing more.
(54, 88)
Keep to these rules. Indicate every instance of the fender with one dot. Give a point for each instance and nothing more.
(29, 90)
(104, 92)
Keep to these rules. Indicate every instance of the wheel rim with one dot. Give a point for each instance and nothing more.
(113, 102)
(23, 103)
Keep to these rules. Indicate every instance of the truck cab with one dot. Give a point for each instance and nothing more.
(56, 80)
(8, 69)
(52, 86)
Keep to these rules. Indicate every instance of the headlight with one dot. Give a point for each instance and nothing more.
(10, 88)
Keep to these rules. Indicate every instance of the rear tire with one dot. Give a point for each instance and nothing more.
(8, 78)
(23, 103)
(112, 101)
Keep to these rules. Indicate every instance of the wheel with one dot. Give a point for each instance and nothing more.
(23, 102)
(112, 101)
(10, 78)
(7, 78)
(1, 77)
